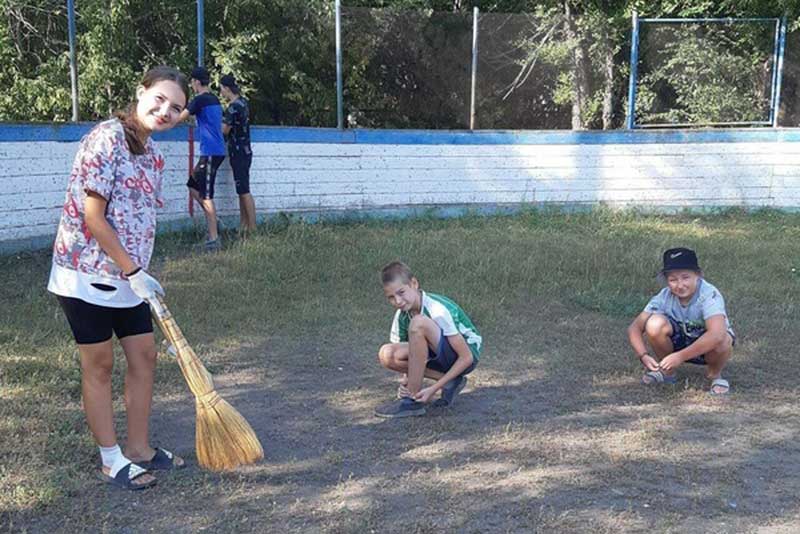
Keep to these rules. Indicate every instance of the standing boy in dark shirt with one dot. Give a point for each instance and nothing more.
(208, 110)
(236, 127)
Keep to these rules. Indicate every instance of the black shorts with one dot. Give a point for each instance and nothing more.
(204, 175)
(91, 323)
(240, 163)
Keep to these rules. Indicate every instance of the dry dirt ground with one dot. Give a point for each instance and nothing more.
(571, 443)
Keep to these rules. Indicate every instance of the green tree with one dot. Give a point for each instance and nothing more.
(554, 64)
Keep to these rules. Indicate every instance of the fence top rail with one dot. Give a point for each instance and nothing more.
(701, 124)
(724, 20)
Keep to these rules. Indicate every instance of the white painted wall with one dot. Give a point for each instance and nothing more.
(320, 177)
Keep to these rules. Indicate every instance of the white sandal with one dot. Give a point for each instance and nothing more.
(722, 383)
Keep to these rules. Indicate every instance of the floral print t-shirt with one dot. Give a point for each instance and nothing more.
(132, 186)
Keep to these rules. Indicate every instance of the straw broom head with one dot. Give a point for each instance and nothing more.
(224, 439)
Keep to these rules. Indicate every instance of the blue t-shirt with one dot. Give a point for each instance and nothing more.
(208, 110)
(706, 302)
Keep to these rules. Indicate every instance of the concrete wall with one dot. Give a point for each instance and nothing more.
(322, 170)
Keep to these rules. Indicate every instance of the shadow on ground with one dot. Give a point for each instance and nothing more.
(542, 450)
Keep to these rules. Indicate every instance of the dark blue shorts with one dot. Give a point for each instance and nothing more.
(443, 358)
(680, 341)
(240, 164)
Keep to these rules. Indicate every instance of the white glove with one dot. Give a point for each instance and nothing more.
(145, 286)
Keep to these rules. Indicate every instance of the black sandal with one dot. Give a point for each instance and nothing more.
(125, 479)
(162, 460)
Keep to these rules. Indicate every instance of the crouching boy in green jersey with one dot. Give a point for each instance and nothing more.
(431, 337)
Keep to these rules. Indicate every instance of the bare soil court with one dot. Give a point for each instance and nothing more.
(554, 432)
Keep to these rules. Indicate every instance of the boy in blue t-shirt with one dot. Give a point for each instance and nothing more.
(431, 337)
(685, 322)
(208, 110)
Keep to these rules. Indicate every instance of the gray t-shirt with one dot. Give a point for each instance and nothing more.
(706, 302)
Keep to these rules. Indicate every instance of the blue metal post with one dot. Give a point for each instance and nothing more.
(73, 63)
(776, 104)
(775, 47)
(630, 123)
(200, 33)
(339, 82)
(473, 80)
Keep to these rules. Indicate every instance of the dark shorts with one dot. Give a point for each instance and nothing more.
(443, 358)
(680, 340)
(240, 163)
(204, 175)
(91, 323)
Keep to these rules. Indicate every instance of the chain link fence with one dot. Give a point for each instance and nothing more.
(545, 70)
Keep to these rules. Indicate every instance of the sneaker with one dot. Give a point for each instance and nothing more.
(401, 408)
(213, 245)
(450, 390)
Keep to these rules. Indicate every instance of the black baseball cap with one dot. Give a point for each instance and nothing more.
(680, 258)
(201, 75)
(229, 81)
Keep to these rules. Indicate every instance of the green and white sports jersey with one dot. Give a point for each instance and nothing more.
(445, 313)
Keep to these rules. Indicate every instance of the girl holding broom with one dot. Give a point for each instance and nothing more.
(100, 257)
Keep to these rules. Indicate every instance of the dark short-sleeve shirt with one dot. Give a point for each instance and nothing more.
(237, 116)
(208, 110)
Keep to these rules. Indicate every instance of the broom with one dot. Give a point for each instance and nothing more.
(224, 439)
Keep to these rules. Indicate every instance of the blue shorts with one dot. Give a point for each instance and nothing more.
(680, 340)
(443, 358)
(240, 164)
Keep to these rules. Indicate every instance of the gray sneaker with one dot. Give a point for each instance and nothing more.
(451, 390)
(213, 245)
(404, 407)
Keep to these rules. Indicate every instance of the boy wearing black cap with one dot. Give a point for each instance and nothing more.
(208, 110)
(685, 322)
(236, 127)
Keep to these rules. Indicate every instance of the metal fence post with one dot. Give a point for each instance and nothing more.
(339, 84)
(776, 99)
(631, 119)
(474, 68)
(73, 63)
(774, 76)
(200, 33)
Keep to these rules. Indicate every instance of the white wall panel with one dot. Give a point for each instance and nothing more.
(317, 176)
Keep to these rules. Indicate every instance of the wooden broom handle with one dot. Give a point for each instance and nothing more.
(164, 318)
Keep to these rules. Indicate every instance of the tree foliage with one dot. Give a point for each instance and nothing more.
(543, 64)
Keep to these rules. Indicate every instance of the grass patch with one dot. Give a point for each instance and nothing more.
(297, 312)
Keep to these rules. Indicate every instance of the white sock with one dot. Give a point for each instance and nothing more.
(113, 459)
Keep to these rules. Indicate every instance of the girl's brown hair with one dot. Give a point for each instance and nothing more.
(130, 124)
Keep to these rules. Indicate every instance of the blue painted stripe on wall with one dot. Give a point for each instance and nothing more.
(11, 132)
(68, 132)
(519, 137)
